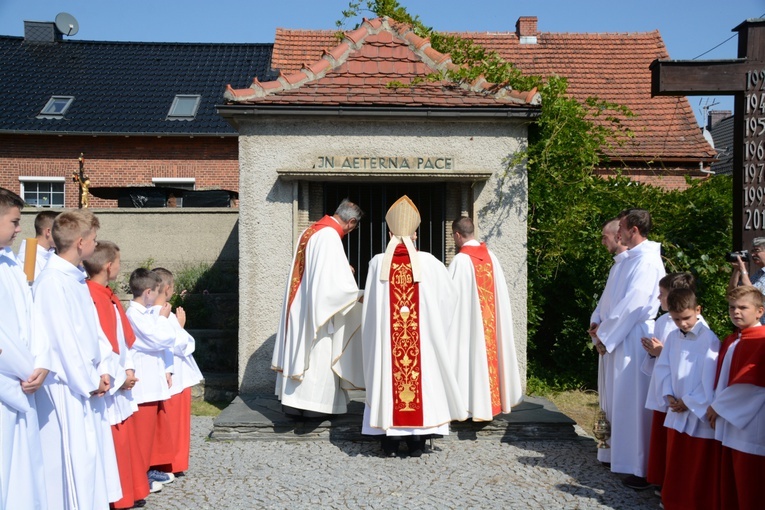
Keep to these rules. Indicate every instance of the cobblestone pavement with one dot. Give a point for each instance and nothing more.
(484, 473)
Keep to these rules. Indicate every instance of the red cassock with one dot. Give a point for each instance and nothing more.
(689, 481)
(130, 463)
(742, 474)
(178, 409)
(657, 452)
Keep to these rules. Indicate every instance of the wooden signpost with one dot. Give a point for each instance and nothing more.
(744, 78)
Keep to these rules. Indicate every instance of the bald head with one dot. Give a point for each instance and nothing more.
(610, 237)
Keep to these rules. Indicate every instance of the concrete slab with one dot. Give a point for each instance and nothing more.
(260, 417)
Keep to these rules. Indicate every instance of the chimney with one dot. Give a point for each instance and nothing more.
(41, 32)
(716, 116)
(526, 29)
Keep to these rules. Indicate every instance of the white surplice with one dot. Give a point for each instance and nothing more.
(152, 353)
(608, 300)
(22, 478)
(185, 369)
(119, 403)
(741, 408)
(634, 304)
(80, 464)
(468, 341)
(313, 331)
(686, 369)
(441, 398)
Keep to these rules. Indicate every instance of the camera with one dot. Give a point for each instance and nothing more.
(744, 254)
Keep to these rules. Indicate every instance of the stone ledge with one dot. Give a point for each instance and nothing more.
(259, 417)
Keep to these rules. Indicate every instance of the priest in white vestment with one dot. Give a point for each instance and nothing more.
(24, 364)
(481, 338)
(80, 463)
(409, 303)
(635, 298)
(610, 239)
(320, 314)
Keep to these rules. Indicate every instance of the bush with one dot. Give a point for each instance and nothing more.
(568, 267)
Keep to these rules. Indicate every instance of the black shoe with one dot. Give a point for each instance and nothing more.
(389, 446)
(415, 445)
(636, 482)
(139, 504)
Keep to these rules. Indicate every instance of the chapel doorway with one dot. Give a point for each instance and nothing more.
(374, 199)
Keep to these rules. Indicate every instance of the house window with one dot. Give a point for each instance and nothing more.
(178, 183)
(43, 191)
(56, 107)
(184, 107)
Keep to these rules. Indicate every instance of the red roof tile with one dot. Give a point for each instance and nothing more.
(361, 69)
(611, 66)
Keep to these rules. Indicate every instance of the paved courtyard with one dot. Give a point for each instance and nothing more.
(483, 473)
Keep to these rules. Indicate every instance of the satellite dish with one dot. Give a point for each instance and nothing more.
(66, 24)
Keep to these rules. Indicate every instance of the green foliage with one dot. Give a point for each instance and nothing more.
(207, 294)
(567, 202)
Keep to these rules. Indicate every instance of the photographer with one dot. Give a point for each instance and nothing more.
(740, 275)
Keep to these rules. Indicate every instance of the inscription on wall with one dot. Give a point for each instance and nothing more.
(754, 151)
(384, 163)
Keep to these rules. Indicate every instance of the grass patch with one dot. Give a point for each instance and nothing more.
(204, 408)
(581, 406)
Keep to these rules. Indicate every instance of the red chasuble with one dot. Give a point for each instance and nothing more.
(298, 268)
(405, 342)
(484, 279)
(105, 301)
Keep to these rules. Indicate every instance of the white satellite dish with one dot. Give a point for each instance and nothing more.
(66, 24)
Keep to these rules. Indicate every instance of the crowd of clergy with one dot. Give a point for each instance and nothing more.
(686, 411)
(429, 345)
(95, 401)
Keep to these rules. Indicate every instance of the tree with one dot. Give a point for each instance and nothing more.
(568, 203)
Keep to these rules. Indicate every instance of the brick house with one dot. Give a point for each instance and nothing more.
(143, 114)
(667, 143)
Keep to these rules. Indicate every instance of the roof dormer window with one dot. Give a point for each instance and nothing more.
(184, 107)
(56, 107)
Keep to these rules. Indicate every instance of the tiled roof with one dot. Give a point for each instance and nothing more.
(360, 71)
(611, 66)
(121, 87)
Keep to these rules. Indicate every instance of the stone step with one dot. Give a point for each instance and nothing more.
(259, 417)
(216, 387)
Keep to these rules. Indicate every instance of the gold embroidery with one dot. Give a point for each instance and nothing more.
(405, 341)
(485, 283)
(299, 267)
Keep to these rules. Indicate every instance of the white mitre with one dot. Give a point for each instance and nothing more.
(402, 218)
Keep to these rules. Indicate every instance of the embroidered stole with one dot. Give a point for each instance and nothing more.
(298, 268)
(484, 279)
(405, 342)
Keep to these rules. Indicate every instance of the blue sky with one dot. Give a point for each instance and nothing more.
(689, 27)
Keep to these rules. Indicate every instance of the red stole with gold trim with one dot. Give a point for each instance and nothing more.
(405, 342)
(298, 268)
(484, 279)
